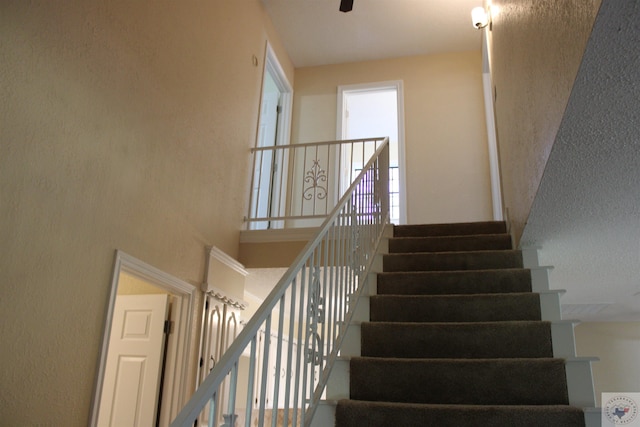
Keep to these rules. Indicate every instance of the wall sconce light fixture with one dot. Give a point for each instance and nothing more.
(479, 17)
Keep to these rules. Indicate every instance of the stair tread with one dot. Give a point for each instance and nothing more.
(456, 360)
(461, 236)
(454, 282)
(465, 381)
(455, 308)
(453, 261)
(459, 406)
(481, 242)
(463, 296)
(355, 413)
(460, 324)
(457, 253)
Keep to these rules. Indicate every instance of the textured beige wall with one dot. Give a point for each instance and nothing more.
(535, 51)
(445, 136)
(617, 344)
(124, 125)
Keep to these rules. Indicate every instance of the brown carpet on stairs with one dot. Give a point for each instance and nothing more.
(467, 340)
(455, 338)
(387, 414)
(454, 282)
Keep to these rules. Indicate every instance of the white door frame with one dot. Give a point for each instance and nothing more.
(492, 140)
(340, 129)
(279, 187)
(176, 374)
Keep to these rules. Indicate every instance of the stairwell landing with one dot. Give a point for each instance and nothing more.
(455, 337)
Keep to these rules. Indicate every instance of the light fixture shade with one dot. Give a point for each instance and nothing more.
(479, 17)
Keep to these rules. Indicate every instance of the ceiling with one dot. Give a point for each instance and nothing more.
(315, 32)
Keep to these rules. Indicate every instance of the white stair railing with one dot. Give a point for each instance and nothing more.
(292, 185)
(303, 320)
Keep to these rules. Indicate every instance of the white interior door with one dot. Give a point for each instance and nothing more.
(264, 166)
(267, 193)
(134, 361)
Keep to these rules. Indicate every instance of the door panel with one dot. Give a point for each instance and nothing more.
(134, 361)
(264, 167)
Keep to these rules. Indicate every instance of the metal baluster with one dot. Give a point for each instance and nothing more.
(253, 177)
(304, 168)
(251, 381)
(298, 398)
(265, 370)
(327, 208)
(233, 381)
(307, 329)
(276, 384)
(330, 266)
(213, 412)
(341, 277)
(289, 371)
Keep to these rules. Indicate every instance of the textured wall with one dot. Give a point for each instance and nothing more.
(124, 125)
(447, 164)
(586, 213)
(535, 51)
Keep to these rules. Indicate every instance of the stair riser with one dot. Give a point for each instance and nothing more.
(454, 282)
(477, 308)
(357, 414)
(430, 230)
(483, 382)
(466, 341)
(443, 261)
(450, 244)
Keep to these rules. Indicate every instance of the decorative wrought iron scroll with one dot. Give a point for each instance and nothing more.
(314, 176)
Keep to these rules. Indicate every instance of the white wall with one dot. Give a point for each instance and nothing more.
(617, 344)
(445, 134)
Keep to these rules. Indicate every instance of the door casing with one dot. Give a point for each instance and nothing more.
(396, 85)
(178, 357)
(283, 129)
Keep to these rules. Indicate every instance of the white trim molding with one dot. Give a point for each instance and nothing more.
(227, 260)
(209, 289)
(178, 354)
(492, 139)
(340, 130)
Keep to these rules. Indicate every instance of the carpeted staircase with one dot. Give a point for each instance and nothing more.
(455, 338)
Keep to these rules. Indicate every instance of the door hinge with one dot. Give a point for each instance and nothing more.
(278, 109)
(168, 326)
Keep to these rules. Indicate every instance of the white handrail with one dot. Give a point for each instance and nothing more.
(320, 289)
(318, 144)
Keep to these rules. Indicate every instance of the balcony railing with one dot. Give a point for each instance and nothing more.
(280, 362)
(299, 185)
